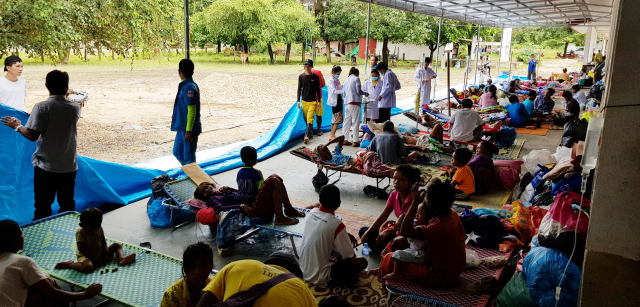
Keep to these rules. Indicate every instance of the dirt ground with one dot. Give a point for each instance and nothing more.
(128, 116)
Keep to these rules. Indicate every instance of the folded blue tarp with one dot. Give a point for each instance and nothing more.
(99, 182)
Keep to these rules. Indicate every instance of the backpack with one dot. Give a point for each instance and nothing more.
(319, 180)
(508, 178)
(375, 192)
(248, 297)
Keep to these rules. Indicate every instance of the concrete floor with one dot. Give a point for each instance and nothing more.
(130, 223)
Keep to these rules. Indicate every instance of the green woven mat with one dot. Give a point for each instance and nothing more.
(512, 152)
(140, 284)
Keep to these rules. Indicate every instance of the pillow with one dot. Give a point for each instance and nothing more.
(196, 203)
(500, 165)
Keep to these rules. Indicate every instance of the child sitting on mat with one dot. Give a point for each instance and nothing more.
(463, 180)
(197, 263)
(92, 249)
(269, 201)
(444, 234)
(249, 179)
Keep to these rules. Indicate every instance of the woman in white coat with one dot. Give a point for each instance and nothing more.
(335, 100)
(353, 99)
(373, 86)
(423, 78)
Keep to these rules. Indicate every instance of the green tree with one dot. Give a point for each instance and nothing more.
(287, 21)
(346, 22)
(548, 38)
(390, 25)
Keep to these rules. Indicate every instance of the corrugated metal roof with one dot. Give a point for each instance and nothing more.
(511, 13)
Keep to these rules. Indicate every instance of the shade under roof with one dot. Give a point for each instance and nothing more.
(511, 13)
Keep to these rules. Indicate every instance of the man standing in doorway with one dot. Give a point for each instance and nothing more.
(13, 88)
(308, 92)
(598, 57)
(53, 123)
(186, 115)
(423, 78)
(387, 98)
(531, 74)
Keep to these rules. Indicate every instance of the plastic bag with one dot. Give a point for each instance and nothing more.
(537, 179)
(319, 180)
(561, 217)
(542, 199)
(562, 152)
(232, 223)
(535, 157)
(157, 185)
(543, 269)
(516, 293)
(571, 184)
(521, 220)
(527, 194)
(159, 215)
(473, 260)
(574, 131)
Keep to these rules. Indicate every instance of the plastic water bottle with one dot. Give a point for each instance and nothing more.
(366, 250)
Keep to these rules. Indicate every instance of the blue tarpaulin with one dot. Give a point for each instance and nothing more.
(99, 182)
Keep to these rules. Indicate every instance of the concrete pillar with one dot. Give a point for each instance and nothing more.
(590, 45)
(611, 271)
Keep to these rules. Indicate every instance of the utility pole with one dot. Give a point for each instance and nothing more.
(186, 29)
(438, 52)
(366, 52)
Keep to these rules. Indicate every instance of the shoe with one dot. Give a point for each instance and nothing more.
(355, 144)
(306, 140)
(319, 133)
(347, 143)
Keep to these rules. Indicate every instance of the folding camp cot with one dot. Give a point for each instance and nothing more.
(52, 240)
(449, 298)
(182, 190)
(330, 170)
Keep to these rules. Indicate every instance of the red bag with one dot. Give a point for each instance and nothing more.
(508, 178)
(207, 216)
(537, 214)
(561, 216)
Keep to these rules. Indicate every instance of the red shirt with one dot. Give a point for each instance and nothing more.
(322, 83)
(445, 244)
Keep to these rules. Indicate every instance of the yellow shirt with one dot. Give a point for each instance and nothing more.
(242, 275)
(94, 243)
(563, 76)
(375, 83)
(178, 294)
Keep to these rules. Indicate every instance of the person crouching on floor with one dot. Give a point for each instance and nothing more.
(463, 180)
(92, 249)
(197, 263)
(327, 254)
(444, 235)
(22, 281)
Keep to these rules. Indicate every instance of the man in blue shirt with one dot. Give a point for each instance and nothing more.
(519, 117)
(186, 115)
(531, 75)
(528, 103)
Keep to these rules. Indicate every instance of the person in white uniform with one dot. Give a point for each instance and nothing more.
(373, 86)
(327, 256)
(353, 99)
(423, 78)
(13, 88)
(387, 97)
(335, 100)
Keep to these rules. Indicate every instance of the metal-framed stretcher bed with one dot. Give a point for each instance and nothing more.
(305, 153)
(182, 190)
(413, 294)
(141, 284)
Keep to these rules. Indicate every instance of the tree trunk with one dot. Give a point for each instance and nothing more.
(303, 52)
(42, 55)
(219, 46)
(113, 55)
(287, 53)
(63, 55)
(385, 51)
(564, 54)
(270, 50)
(245, 46)
(432, 47)
(99, 52)
(343, 50)
(328, 47)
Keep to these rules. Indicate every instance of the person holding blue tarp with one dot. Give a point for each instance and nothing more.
(186, 115)
(54, 125)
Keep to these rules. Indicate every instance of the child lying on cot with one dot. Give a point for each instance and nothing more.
(365, 161)
(197, 263)
(23, 283)
(93, 251)
(271, 196)
(444, 250)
